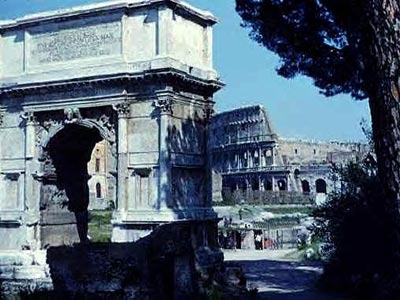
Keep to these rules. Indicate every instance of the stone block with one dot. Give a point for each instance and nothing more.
(56, 235)
(15, 259)
(29, 272)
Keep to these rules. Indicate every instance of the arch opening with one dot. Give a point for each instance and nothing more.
(242, 185)
(255, 185)
(268, 185)
(98, 190)
(282, 185)
(320, 186)
(70, 151)
(305, 185)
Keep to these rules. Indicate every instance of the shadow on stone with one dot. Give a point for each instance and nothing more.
(180, 260)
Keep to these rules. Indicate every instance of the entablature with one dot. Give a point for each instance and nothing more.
(110, 6)
(169, 76)
(244, 146)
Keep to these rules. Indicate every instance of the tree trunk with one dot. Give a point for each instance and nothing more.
(382, 59)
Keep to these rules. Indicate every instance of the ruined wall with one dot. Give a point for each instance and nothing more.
(307, 152)
(249, 161)
(14, 224)
(101, 190)
(114, 67)
(177, 261)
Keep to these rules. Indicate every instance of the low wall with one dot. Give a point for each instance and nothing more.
(266, 198)
(176, 261)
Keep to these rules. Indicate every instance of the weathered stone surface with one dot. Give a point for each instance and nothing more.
(16, 259)
(75, 43)
(136, 75)
(251, 164)
(176, 261)
(23, 271)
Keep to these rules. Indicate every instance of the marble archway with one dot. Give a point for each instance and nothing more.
(65, 143)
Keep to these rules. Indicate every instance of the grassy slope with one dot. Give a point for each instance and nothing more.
(100, 226)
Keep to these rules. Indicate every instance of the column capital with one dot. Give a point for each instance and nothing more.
(27, 116)
(123, 109)
(164, 104)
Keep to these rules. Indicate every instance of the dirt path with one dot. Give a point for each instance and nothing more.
(278, 277)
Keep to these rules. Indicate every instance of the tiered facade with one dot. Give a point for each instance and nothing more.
(252, 164)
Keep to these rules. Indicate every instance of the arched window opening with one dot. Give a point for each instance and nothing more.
(268, 185)
(229, 184)
(255, 186)
(244, 160)
(98, 190)
(242, 185)
(97, 165)
(320, 186)
(268, 157)
(233, 187)
(256, 159)
(268, 153)
(282, 185)
(305, 185)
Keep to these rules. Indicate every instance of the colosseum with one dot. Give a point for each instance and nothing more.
(251, 163)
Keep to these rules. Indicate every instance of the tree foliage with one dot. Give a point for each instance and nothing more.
(322, 39)
(346, 46)
(326, 40)
(353, 224)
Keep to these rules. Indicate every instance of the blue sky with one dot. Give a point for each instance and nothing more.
(295, 107)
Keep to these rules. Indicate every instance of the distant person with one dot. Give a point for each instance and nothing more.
(258, 242)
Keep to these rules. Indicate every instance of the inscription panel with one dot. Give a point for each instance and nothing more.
(75, 43)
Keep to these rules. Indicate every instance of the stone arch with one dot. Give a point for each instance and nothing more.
(255, 184)
(320, 186)
(268, 184)
(305, 186)
(66, 148)
(98, 190)
(242, 184)
(69, 150)
(229, 184)
(256, 158)
(282, 184)
(55, 128)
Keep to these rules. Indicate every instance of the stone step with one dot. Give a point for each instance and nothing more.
(15, 259)
(23, 272)
(24, 257)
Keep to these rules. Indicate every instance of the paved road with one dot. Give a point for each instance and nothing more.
(277, 277)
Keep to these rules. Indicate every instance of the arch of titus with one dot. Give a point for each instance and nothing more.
(137, 74)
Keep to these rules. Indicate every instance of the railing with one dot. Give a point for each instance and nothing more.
(317, 169)
(266, 198)
(247, 139)
(258, 169)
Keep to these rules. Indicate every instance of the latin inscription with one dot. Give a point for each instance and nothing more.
(76, 43)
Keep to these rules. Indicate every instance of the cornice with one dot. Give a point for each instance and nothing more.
(100, 8)
(241, 146)
(207, 85)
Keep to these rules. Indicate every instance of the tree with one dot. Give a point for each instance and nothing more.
(346, 46)
(353, 232)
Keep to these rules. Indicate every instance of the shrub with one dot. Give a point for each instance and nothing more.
(359, 233)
